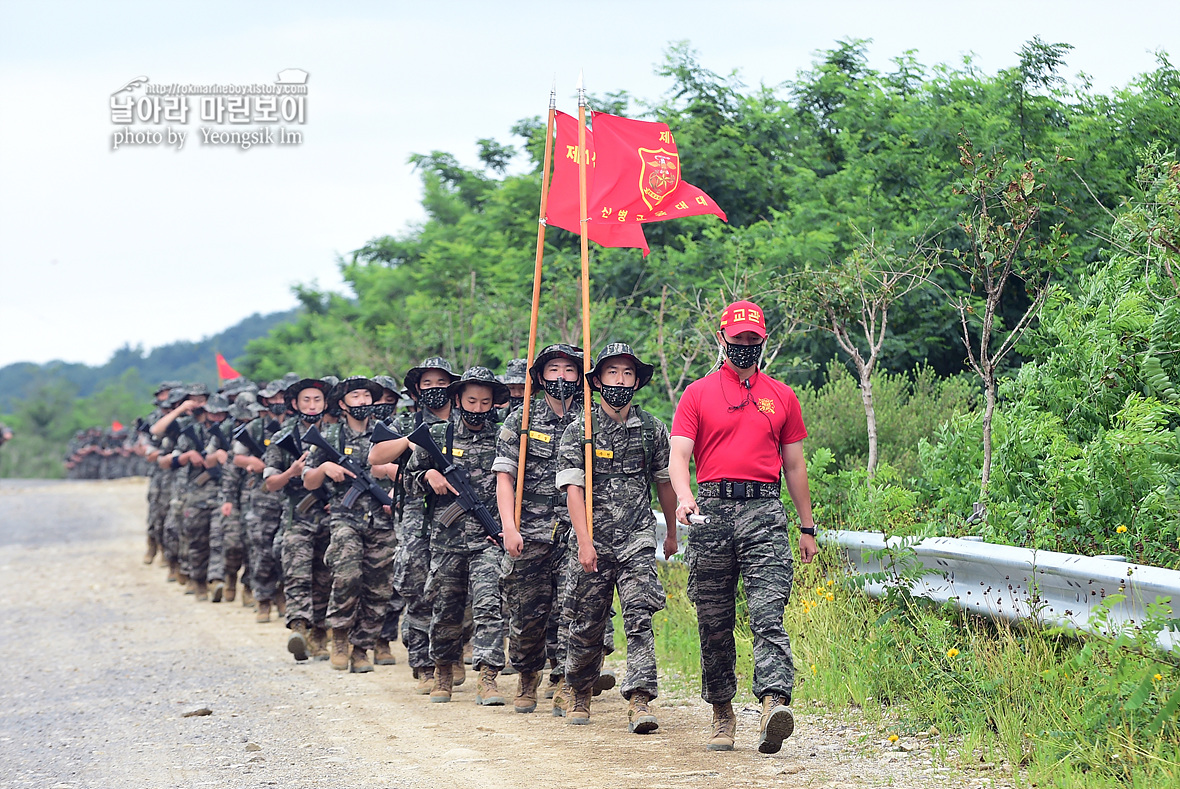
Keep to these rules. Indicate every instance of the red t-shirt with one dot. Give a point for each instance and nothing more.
(738, 431)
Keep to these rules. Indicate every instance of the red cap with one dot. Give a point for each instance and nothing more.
(743, 316)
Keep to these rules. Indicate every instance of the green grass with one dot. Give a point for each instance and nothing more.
(1059, 711)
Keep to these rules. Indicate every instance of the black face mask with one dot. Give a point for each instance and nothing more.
(433, 399)
(278, 409)
(383, 410)
(562, 389)
(743, 356)
(310, 419)
(360, 412)
(514, 403)
(476, 419)
(617, 396)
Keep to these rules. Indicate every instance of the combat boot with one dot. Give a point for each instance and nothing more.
(297, 641)
(359, 662)
(777, 723)
(441, 692)
(216, 591)
(263, 615)
(425, 681)
(579, 713)
(201, 590)
(554, 680)
(382, 656)
(181, 579)
(280, 603)
(640, 718)
(526, 696)
(231, 589)
(486, 692)
(247, 597)
(562, 698)
(605, 681)
(339, 649)
(724, 728)
(188, 584)
(173, 572)
(458, 674)
(318, 644)
(152, 548)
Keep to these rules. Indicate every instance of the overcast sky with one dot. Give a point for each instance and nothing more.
(147, 245)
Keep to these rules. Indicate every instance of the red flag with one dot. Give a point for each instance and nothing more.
(632, 177)
(224, 371)
(116, 425)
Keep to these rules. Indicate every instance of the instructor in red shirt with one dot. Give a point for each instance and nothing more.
(745, 431)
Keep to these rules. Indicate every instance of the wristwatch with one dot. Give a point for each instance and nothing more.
(809, 532)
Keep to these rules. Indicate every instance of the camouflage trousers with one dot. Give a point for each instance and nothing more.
(588, 608)
(227, 545)
(263, 519)
(557, 634)
(307, 582)
(452, 575)
(411, 567)
(170, 528)
(747, 539)
(531, 581)
(196, 518)
(157, 509)
(360, 558)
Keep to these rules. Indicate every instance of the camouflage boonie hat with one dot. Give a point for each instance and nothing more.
(643, 371)
(217, 404)
(166, 385)
(389, 384)
(414, 374)
(175, 397)
(292, 391)
(273, 389)
(353, 383)
(246, 397)
(244, 410)
(330, 380)
(556, 351)
(516, 372)
(484, 377)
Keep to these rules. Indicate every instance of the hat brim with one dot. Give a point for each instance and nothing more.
(643, 371)
(500, 392)
(539, 365)
(414, 375)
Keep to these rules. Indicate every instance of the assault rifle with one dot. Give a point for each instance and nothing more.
(467, 501)
(362, 481)
(383, 433)
(211, 473)
(293, 445)
(243, 436)
(218, 436)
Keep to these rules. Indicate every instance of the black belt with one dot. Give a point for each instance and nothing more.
(557, 500)
(738, 489)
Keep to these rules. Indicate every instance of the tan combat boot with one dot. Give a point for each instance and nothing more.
(382, 656)
(425, 681)
(247, 597)
(359, 662)
(173, 572)
(152, 547)
(201, 590)
(640, 718)
(777, 723)
(216, 591)
(458, 674)
(280, 603)
(263, 615)
(317, 644)
(486, 692)
(340, 649)
(724, 728)
(606, 681)
(562, 699)
(441, 692)
(579, 713)
(190, 586)
(231, 589)
(554, 680)
(526, 695)
(297, 641)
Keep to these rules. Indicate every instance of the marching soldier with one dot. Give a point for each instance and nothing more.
(226, 538)
(200, 492)
(383, 411)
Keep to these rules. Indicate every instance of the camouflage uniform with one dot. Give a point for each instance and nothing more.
(360, 553)
(628, 457)
(269, 513)
(532, 578)
(307, 581)
(461, 557)
(226, 537)
(198, 501)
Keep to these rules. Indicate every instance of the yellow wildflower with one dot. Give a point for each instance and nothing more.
(952, 653)
(1121, 529)
(1157, 677)
(892, 738)
(831, 596)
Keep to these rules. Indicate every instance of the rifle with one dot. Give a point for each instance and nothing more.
(218, 436)
(292, 445)
(362, 482)
(212, 473)
(467, 501)
(246, 439)
(383, 433)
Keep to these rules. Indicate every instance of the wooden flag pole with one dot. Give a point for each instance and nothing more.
(583, 217)
(528, 379)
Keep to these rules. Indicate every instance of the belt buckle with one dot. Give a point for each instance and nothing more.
(739, 490)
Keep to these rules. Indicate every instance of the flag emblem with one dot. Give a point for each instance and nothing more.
(659, 175)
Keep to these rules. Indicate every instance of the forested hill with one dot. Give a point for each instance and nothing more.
(185, 360)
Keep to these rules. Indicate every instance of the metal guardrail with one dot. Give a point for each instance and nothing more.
(1005, 582)
(1015, 584)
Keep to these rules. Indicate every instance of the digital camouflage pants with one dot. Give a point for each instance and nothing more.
(452, 575)
(746, 539)
(307, 581)
(557, 635)
(411, 567)
(171, 528)
(588, 607)
(196, 518)
(227, 545)
(360, 557)
(530, 581)
(263, 519)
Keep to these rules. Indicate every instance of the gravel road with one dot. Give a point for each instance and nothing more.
(103, 659)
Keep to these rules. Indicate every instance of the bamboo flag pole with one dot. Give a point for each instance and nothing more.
(528, 379)
(583, 218)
